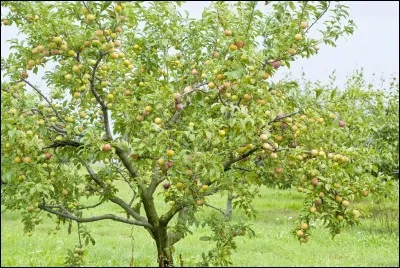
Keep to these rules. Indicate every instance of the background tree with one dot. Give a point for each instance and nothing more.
(141, 93)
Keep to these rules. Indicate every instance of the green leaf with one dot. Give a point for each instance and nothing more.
(205, 238)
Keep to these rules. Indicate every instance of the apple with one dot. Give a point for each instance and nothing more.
(47, 155)
(339, 217)
(233, 47)
(215, 54)
(68, 76)
(304, 226)
(148, 108)
(161, 162)
(106, 147)
(314, 152)
(234, 97)
(266, 75)
(158, 121)
(239, 44)
(194, 72)
(365, 193)
(64, 192)
(77, 94)
(292, 51)
(99, 33)
(27, 160)
(313, 209)
(166, 185)
(170, 164)
(211, 85)
(318, 202)
(90, 17)
(278, 170)
(189, 172)
(246, 97)
(177, 96)
(338, 199)
(276, 64)
(274, 155)
(298, 37)
(118, 8)
(304, 24)
(220, 77)
(180, 186)
(170, 153)
(221, 132)
(204, 187)
(300, 233)
(342, 123)
(314, 181)
(264, 137)
(228, 33)
(345, 203)
(127, 92)
(300, 189)
(17, 160)
(179, 107)
(200, 202)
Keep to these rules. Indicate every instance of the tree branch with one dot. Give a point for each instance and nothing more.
(44, 97)
(63, 144)
(278, 118)
(317, 19)
(228, 164)
(99, 100)
(115, 199)
(95, 218)
(165, 219)
(218, 209)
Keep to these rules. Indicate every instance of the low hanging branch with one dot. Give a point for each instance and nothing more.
(91, 219)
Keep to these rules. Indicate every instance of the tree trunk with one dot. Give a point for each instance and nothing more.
(228, 212)
(164, 251)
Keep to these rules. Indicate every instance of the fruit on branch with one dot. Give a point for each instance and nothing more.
(158, 121)
(179, 107)
(90, 18)
(228, 33)
(166, 185)
(200, 202)
(342, 123)
(47, 155)
(239, 44)
(314, 181)
(64, 192)
(161, 162)
(345, 203)
(106, 147)
(170, 153)
(278, 170)
(304, 226)
(300, 233)
(304, 24)
(170, 164)
(233, 47)
(298, 37)
(314, 152)
(27, 160)
(266, 75)
(276, 64)
(221, 132)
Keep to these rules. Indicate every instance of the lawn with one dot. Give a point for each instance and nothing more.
(374, 243)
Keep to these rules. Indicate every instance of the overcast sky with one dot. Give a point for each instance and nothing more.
(373, 46)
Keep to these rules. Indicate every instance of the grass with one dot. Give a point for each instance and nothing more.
(374, 243)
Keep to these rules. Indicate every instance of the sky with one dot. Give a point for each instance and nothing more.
(373, 46)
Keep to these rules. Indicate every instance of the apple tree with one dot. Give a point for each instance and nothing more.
(176, 108)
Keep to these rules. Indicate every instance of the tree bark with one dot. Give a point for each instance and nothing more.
(164, 251)
(228, 212)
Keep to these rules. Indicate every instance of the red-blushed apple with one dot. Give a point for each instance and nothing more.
(314, 181)
(228, 33)
(47, 155)
(200, 202)
(342, 123)
(276, 64)
(299, 233)
(169, 164)
(166, 185)
(106, 147)
(179, 107)
(239, 44)
(278, 170)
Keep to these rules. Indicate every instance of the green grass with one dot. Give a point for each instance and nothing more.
(374, 243)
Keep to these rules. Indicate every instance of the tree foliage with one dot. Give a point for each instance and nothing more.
(141, 93)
